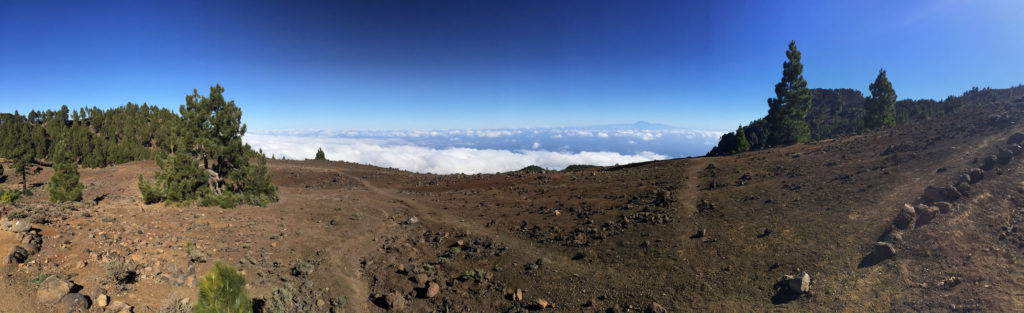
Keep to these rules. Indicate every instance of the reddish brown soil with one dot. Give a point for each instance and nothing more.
(602, 238)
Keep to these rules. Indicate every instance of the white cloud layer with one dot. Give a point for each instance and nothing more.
(402, 155)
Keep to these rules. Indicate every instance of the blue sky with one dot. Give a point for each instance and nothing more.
(488, 64)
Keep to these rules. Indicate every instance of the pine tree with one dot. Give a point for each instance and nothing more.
(320, 154)
(64, 184)
(787, 111)
(880, 107)
(741, 140)
(18, 145)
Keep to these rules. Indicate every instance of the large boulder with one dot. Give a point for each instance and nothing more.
(20, 226)
(883, 250)
(905, 217)
(52, 290)
(934, 194)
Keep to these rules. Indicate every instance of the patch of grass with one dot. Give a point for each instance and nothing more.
(40, 278)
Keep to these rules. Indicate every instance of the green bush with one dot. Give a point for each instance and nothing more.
(320, 155)
(226, 200)
(223, 290)
(150, 194)
(9, 196)
(182, 178)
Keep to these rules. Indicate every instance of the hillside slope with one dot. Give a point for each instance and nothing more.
(712, 234)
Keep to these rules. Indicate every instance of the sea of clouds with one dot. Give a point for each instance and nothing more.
(488, 150)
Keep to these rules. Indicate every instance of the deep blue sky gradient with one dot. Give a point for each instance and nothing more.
(487, 64)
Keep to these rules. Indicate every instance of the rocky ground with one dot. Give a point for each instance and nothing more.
(924, 217)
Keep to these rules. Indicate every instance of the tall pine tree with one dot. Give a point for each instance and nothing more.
(18, 145)
(786, 112)
(64, 184)
(880, 107)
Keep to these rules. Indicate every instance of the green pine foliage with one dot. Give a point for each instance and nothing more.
(18, 144)
(792, 102)
(320, 155)
(222, 290)
(880, 107)
(64, 184)
(181, 178)
(150, 193)
(252, 182)
(742, 144)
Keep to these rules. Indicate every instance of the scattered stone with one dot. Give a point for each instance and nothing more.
(883, 250)
(542, 261)
(1016, 138)
(74, 302)
(412, 220)
(700, 233)
(102, 300)
(801, 283)
(654, 307)
(433, 289)
(905, 217)
(1016, 149)
(541, 304)
(1004, 156)
(420, 279)
(975, 175)
(944, 207)
(52, 290)
(925, 214)
(989, 162)
(517, 295)
(302, 269)
(119, 307)
(17, 255)
(394, 301)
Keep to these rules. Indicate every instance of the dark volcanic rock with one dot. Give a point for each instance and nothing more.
(989, 162)
(905, 217)
(17, 255)
(1015, 148)
(1004, 156)
(925, 214)
(75, 302)
(883, 250)
(944, 207)
(975, 175)
(1016, 138)
(934, 194)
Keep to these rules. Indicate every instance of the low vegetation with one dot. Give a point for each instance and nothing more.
(223, 290)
